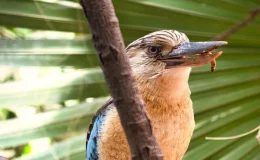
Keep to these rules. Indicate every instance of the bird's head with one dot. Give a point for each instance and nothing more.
(167, 57)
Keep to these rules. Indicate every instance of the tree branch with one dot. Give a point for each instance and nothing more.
(236, 27)
(108, 42)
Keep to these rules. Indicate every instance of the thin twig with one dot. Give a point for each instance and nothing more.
(224, 35)
(234, 137)
(258, 136)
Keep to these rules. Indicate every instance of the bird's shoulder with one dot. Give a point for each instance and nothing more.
(94, 128)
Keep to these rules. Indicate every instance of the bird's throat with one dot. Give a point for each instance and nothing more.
(170, 86)
(168, 93)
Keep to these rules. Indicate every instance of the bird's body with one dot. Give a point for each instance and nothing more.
(166, 95)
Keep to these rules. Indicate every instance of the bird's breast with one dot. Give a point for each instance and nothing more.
(173, 128)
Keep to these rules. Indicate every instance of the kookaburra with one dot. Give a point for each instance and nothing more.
(161, 62)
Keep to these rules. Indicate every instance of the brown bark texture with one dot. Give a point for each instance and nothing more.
(114, 62)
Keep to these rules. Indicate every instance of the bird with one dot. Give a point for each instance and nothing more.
(161, 63)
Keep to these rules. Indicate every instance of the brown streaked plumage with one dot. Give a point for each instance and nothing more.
(161, 63)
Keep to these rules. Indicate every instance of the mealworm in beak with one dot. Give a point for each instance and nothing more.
(213, 65)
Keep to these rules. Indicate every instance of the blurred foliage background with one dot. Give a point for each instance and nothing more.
(51, 85)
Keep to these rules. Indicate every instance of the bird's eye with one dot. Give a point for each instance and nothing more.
(154, 51)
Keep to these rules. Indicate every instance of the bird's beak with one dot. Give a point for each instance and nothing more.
(192, 54)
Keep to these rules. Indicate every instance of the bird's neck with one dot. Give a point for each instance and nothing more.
(168, 92)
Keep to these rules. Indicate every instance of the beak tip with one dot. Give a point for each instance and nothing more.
(221, 43)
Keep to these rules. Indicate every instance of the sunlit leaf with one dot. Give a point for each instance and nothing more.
(50, 124)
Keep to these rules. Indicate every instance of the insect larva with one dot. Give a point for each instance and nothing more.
(213, 65)
(213, 62)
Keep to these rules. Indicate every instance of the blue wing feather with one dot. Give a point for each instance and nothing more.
(95, 129)
(92, 148)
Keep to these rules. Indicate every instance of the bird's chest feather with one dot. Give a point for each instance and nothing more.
(172, 127)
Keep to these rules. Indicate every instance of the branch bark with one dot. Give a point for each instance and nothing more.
(108, 42)
(224, 35)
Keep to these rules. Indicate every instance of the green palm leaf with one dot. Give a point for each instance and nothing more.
(226, 102)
